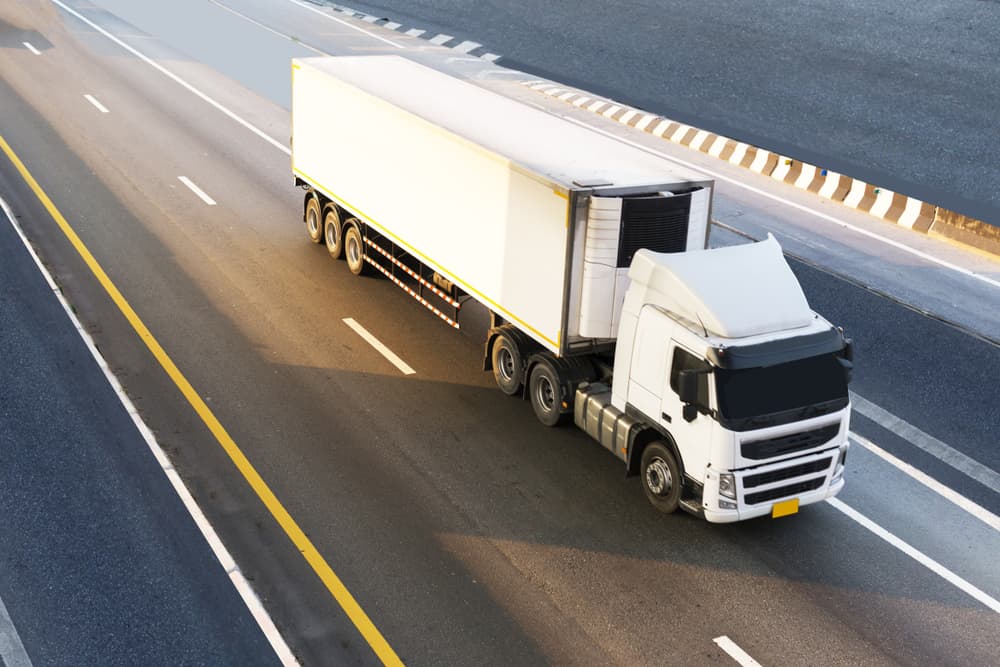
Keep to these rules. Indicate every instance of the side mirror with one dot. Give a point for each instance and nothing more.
(687, 387)
(848, 367)
(848, 352)
(689, 412)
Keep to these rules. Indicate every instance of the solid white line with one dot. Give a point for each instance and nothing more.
(195, 189)
(93, 100)
(981, 513)
(945, 453)
(31, 48)
(735, 652)
(12, 653)
(917, 555)
(345, 23)
(379, 346)
(149, 61)
(267, 27)
(805, 209)
(247, 594)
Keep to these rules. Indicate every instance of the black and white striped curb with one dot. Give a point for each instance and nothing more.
(880, 202)
(466, 46)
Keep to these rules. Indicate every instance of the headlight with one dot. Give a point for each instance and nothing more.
(727, 485)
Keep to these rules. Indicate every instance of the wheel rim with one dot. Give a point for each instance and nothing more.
(505, 364)
(313, 221)
(658, 478)
(545, 394)
(353, 250)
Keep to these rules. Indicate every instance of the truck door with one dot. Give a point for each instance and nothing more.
(648, 368)
(693, 438)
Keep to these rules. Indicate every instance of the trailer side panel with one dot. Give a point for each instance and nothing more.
(498, 232)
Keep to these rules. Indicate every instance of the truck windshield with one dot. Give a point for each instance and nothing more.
(804, 383)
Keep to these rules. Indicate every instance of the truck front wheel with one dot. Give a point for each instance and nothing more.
(661, 477)
(354, 247)
(314, 218)
(545, 392)
(508, 368)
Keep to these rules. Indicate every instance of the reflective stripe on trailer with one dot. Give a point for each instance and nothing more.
(447, 299)
(412, 293)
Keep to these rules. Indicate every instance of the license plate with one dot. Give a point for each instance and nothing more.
(784, 508)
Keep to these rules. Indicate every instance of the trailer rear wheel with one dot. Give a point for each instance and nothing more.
(661, 477)
(332, 231)
(545, 392)
(354, 247)
(508, 367)
(314, 218)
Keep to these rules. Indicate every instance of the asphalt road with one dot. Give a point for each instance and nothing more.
(468, 533)
(902, 94)
(100, 563)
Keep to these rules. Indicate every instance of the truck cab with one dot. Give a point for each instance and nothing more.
(746, 436)
(729, 394)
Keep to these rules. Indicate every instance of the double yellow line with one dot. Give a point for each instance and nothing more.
(319, 565)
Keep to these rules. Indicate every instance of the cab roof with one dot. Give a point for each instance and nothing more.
(734, 292)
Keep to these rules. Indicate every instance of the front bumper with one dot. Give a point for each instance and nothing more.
(732, 516)
(754, 485)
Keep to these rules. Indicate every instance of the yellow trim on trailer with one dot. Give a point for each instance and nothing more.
(343, 202)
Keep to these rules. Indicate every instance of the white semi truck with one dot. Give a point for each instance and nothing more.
(704, 371)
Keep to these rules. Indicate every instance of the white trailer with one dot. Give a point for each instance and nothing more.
(567, 239)
(492, 195)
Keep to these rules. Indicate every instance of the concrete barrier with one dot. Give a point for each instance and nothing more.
(884, 204)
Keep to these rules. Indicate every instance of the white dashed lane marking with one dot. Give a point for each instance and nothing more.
(195, 189)
(404, 368)
(735, 652)
(93, 100)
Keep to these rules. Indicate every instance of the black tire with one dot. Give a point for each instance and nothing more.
(333, 231)
(354, 247)
(314, 219)
(508, 366)
(661, 477)
(545, 392)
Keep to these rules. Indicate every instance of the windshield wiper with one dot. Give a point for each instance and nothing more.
(762, 420)
(819, 408)
(812, 411)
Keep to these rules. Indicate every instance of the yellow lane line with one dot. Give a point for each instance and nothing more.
(319, 565)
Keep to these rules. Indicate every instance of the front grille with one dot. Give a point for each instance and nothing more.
(796, 442)
(790, 490)
(656, 223)
(751, 481)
